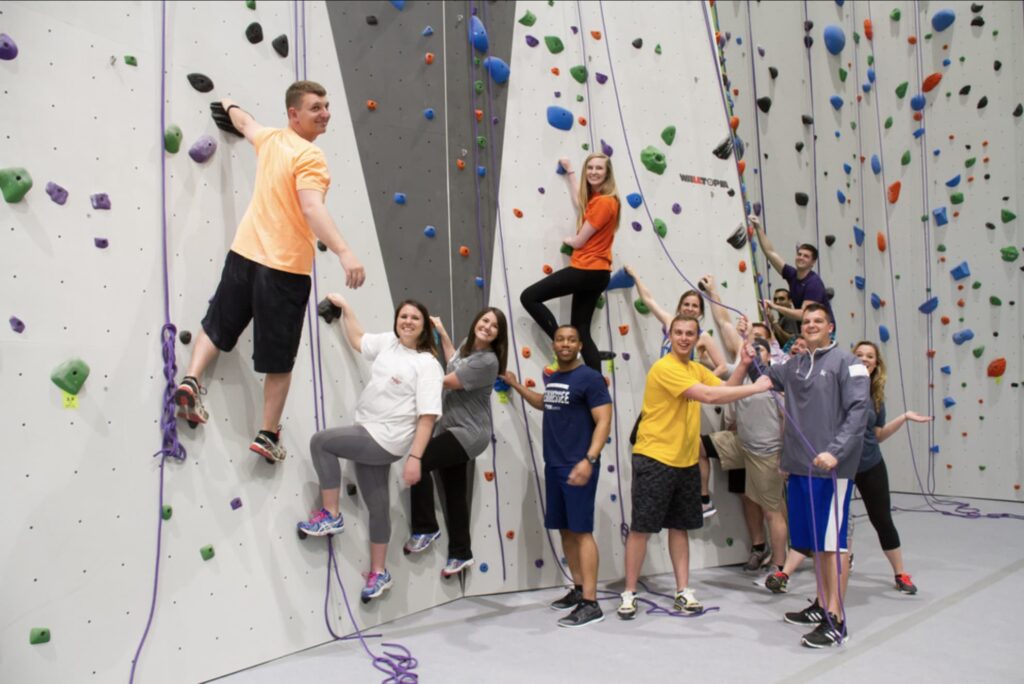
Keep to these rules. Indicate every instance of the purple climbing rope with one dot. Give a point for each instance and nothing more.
(814, 143)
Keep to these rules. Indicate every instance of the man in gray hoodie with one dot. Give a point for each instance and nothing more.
(827, 392)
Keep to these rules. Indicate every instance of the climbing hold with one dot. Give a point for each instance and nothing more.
(995, 301)
(895, 14)
(202, 149)
(764, 103)
(634, 199)
(101, 243)
(901, 89)
(497, 68)
(835, 39)
(130, 60)
(876, 164)
(478, 86)
(830, 240)
(254, 32)
(8, 48)
(464, 251)
(940, 216)
(668, 134)
(930, 82)
(399, 198)
(983, 102)
(677, 208)
(17, 325)
(841, 196)
(858, 235)
(200, 82)
(38, 635)
(807, 119)
(970, 162)
(638, 43)
(888, 123)
(70, 375)
(185, 336)
(280, 45)
(929, 305)
(961, 271)
(801, 199)
(966, 90)
(905, 159)
(484, 567)
(1006, 215)
(554, 44)
(477, 34)
(531, 41)
(743, 266)
(579, 73)
(623, 330)
(723, 149)
(836, 101)
(620, 280)
(172, 141)
(657, 49)
(773, 72)
(430, 231)
(943, 19)
(808, 42)
(894, 192)
(56, 193)
(428, 113)
(948, 402)
(606, 148)
(963, 336)
(236, 503)
(560, 118)
(918, 102)
(660, 228)
(876, 301)
(880, 241)
(953, 182)
(1018, 110)
(653, 159)
(1009, 254)
(371, 105)
(15, 182)
(207, 552)
(642, 308)
(947, 370)
(427, 31)
(600, 78)
(996, 368)
(398, 4)
(518, 213)
(528, 19)
(957, 198)
(734, 122)
(166, 512)
(978, 351)
(481, 171)
(739, 237)
(566, 249)
(883, 333)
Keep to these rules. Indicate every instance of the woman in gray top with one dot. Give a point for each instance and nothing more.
(463, 433)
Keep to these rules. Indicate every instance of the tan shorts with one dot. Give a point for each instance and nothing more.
(764, 483)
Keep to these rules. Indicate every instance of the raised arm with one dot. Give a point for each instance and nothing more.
(731, 340)
(349, 322)
(570, 177)
(889, 429)
(788, 312)
(447, 348)
(534, 399)
(241, 119)
(648, 299)
(322, 225)
(774, 259)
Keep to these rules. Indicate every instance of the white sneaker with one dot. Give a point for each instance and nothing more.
(686, 602)
(627, 609)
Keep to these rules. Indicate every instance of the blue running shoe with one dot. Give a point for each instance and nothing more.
(322, 524)
(376, 584)
(419, 542)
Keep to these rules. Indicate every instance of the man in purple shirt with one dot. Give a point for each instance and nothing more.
(805, 285)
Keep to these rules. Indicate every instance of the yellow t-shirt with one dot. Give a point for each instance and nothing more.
(274, 231)
(670, 428)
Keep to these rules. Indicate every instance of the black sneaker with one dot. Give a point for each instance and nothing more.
(584, 613)
(777, 582)
(828, 633)
(758, 559)
(569, 601)
(811, 615)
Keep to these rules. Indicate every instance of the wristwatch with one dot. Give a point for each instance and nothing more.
(594, 461)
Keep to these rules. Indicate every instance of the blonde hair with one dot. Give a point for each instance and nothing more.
(607, 187)
(878, 375)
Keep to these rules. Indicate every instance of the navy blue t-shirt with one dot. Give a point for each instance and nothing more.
(812, 288)
(568, 425)
(871, 455)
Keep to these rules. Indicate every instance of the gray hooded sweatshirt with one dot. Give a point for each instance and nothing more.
(827, 395)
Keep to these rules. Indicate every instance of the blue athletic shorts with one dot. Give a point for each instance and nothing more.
(824, 531)
(569, 507)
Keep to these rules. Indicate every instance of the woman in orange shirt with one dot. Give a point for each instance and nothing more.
(590, 266)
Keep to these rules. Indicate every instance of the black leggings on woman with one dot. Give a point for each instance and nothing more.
(585, 287)
(445, 455)
(873, 485)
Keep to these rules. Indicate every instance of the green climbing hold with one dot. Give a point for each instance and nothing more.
(842, 74)
(554, 44)
(668, 135)
(976, 285)
(660, 228)
(130, 60)
(888, 123)
(476, 61)
(978, 351)
(641, 307)
(924, 218)
(995, 301)
(251, 4)
(600, 302)
(905, 159)
(585, 146)
(957, 198)
(38, 635)
(927, 36)
(853, 125)
(654, 159)
(70, 375)
(579, 73)
(1007, 215)
(481, 142)
(856, 38)
(871, 60)
(1010, 253)
(207, 552)
(172, 138)
(982, 468)
(14, 183)
(901, 89)
(970, 162)
(478, 86)
(166, 512)
(579, 98)
(566, 249)
(728, 541)
(657, 49)
(528, 19)
(895, 14)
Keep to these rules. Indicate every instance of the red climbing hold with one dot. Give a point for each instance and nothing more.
(894, 192)
(996, 368)
(529, 382)
(510, 534)
(869, 30)
(555, 71)
(596, 35)
(464, 251)
(623, 329)
(912, 40)
(526, 352)
(931, 353)
(371, 105)
(944, 320)
(734, 122)
(930, 82)
(460, 164)
(743, 266)
(518, 213)
(880, 239)
(479, 114)
(741, 165)
(489, 475)
(547, 269)
(429, 58)
(583, 121)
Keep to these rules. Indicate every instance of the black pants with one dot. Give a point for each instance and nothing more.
(873, 485)
(445, 455)
(585, 287)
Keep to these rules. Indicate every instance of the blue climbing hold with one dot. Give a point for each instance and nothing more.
(500, 385)
(484, 567)
(876, 164)
(876, 301)
(841, 197)
(934, 448)
(866, 87)
(498, 69)
(477, 34)
(960, 272)
(428, 31)
(918, 102)
(883, 333)
(871, 75)
(559, 169)
(620, 280)
(858, 236)
(947, 62)
(948, 402)
(940, 216)
(560, 118)
(929, 305)
(635, 199)
(919, 132)
(965, 335)
(953, 182)
(430, 231)
(943, 19)
(946, 370)
(399, 198)
(479, 282)
(858, 281)
(835, 39)
(428, 113)
(847, 169)
(481, 171)
(837, 102)
(398, 4)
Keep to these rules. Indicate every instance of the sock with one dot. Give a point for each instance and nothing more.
(757, 547)
(705, 499)
(578, 587)
(780, 570)
(272, 436)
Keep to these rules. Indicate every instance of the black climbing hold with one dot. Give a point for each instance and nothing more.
(983, 102)
(1019, 109)
(990, 226)
(808, 41)
(731, 193)
(978, 21)
(185, 336)
(350, 489)
(976, 7)
(200, 82)
(254, 32)
(638, 43)
(808, 25)
(997, 65)
(723, 149)
(807, 119)
(280, 45)
(773, 72)
(321, 246)
(799, 147)
(371, 20)
(830, 240)
(802, 199)
(739, 237)
(966, 90)
(328, 310)
(764, 103)
(830, 293)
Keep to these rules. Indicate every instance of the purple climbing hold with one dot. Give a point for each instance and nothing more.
(636, 226)
(17, 325)
(960, 272)
(539, 563)
(929, 305)
(540, 190)
(202, 149)
(601, 78)
(236, 503)
(100, 200)
(757, 208)
(531, 41)
(760, 51)
(560, 118)
(8, 48)
(625, 357)
(676, 209)
(101, 243)
(606, 149)
(56, 193)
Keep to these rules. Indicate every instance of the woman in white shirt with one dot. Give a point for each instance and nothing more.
(394, 418)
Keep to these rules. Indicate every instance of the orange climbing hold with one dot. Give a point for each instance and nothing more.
(371, 105)
(547, 269)
(918, 116)
(596, 35)
(944, 320)
(880, 240)
(464, 251)
(479, 114)
(734, 122)
(912, 40)
(869, 30)
(996, 368)
(583, 121)
(894, 192)
(526, 352)
(529, 382)
(623, 329)
(743, 266)
(518, 213)
(429, 58)
(961, 303)
(930, 82)
(460, 164)
(931, 353)
(741, 165)
(489, 475)
(555, 71)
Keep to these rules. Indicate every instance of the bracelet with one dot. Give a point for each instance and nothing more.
(418, 458)
(230, 107)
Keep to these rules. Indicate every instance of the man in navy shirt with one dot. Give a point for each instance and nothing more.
(805, 285)
(577, 418)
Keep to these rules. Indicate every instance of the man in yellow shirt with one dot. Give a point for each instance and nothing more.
(266, 273)
(666, 477)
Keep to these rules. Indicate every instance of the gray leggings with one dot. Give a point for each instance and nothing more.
(373, 465)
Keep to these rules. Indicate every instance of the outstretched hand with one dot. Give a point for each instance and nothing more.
(918, 418)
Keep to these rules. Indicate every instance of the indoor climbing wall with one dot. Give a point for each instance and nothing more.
(888, 134)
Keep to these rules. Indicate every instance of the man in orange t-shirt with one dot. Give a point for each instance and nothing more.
(266, 273)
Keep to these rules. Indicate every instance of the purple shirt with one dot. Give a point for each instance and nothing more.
(810, 288)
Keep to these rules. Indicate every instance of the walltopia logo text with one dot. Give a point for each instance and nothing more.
(702, 180)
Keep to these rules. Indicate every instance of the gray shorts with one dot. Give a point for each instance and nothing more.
(665, 497)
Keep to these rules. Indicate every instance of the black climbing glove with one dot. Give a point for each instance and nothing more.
(223, 120)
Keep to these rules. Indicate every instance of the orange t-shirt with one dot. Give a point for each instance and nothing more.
(274, 231)
(596, 255)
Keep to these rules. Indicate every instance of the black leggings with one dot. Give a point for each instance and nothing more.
(445, 455)
(873, 485)
(585, 287)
